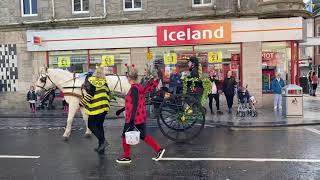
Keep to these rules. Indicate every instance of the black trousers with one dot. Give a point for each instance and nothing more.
(229, 101)
(216, 98)
(32, 105)
(95, 124)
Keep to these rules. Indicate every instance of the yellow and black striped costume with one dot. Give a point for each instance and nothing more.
(97, 99)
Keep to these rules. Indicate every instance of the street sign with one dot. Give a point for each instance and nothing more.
(107, 60)
(215, 57)
(170, 59)
(64, 61)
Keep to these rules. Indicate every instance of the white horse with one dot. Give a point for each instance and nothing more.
(70, 85)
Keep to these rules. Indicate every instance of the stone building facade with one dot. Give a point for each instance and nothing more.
(21, 58)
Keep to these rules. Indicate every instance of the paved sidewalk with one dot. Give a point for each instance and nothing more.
(266, 117)
(269, 117)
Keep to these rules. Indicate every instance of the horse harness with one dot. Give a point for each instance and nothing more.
(43, 79)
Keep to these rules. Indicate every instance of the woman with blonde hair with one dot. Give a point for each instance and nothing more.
(96, 104)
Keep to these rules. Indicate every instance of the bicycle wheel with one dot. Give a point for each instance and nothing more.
(182, 119)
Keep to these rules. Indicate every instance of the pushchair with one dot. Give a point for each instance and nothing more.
(246, 103)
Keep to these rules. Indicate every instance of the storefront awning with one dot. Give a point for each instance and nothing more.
(311, 41)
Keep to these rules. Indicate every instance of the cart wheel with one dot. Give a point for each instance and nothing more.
(182, 119)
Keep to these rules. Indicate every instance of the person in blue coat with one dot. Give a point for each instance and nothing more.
(277, 85)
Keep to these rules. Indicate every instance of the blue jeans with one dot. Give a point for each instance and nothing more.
(277, 101)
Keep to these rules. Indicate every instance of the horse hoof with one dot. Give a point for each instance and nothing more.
(64, 138)
(87, 135)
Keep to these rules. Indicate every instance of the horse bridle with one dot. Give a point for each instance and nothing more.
(43, 79)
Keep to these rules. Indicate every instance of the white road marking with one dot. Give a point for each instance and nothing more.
(241, 159)
(312, 130)
(18, 157)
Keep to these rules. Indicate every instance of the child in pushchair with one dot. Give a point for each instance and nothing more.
(246, 103)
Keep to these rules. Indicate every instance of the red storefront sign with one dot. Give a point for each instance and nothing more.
(36, 40)
(194, 34)
(270, 58)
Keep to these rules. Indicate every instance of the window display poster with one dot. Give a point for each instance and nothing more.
(267, 76)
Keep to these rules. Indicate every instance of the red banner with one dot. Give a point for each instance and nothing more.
(194, 34)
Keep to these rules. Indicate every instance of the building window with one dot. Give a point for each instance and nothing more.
(80, 6)
(202, 2)
(29, 7)
(132, 5)
(318, 50)
(318, 30)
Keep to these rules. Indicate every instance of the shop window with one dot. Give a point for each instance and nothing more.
(202, 2)
(80, 6)
(29, 7)
(119, 58)
(275, 58)
(132, 5)
(74, 61)
(221, 58)
(180, 64)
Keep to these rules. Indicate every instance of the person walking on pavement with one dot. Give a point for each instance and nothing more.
(32, 98)
(175, 83)
(229, 85)
(96, 104)
(314, 82)
(310, 82)
(135, 115)
(277, 85)
(214, 92)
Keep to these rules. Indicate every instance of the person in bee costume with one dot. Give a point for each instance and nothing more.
(96, 105)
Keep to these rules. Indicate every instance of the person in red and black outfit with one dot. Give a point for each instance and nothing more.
(136, 115)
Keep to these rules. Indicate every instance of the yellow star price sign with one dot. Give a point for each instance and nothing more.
(64, 61)
(215, 57)
(107, 60)
(169, 59)
(149, 56)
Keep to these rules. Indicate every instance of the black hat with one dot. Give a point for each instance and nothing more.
(194, 60)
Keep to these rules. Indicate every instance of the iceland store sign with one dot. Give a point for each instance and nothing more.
(194, 34)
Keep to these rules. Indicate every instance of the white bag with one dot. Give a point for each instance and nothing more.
(132, 137)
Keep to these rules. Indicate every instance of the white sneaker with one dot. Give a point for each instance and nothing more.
(275, 108)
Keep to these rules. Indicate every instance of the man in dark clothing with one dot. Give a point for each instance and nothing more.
(229, 85)
(194, 73)
(214, 94)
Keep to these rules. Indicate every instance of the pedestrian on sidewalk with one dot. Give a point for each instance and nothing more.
(65, 105)
(314, 82)
(135, 115)
(96, 104)
(229, 85)
(277, 85)
(310, 82)
(32, 98)
(215, 91)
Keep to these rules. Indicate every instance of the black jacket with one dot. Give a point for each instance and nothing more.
(228, 86)
(31, 96)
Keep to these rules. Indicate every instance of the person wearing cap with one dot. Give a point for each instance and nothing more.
(96, 105)
(136, 115)
(194, 73)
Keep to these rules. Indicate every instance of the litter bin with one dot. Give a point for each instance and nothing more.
(292, 101)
